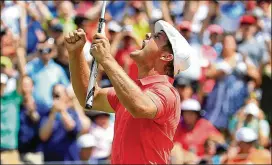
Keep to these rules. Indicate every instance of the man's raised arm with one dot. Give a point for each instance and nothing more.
(80, 72)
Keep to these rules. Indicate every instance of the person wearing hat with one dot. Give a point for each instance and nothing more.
(185, 87)
(216, 32)
(185, 28)
(247, 153)
(102, 130)
(86, 143)
(193, 130)
(146, 110)
(251, 116)
(247, 43)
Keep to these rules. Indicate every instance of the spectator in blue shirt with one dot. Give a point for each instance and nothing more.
(59, 130)
(45, 73)
(29, 143)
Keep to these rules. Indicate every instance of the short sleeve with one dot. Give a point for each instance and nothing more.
(166, 101)
(112, 98)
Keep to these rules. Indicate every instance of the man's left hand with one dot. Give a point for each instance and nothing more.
(100, 48)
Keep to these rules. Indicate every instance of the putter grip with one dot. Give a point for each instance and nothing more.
(94, 70)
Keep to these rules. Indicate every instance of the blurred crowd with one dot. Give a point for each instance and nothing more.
(226, 115)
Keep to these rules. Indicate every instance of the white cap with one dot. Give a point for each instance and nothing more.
(246, 135)
(4, 78)
(114, 26)
(86, 141)
(252, 109)
(190, 105)
(182, 50)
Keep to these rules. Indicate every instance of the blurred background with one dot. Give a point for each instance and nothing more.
(226, 112)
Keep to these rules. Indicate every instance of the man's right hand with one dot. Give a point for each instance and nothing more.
(75, 41)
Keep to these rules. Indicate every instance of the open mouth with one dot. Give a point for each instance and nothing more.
(143, 45)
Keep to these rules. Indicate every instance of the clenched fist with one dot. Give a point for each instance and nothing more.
(100, 48)
(75, 41)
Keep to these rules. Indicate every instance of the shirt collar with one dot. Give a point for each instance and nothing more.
(49, 62)
(155, 79)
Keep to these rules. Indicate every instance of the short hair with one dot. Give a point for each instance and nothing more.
(169, 68)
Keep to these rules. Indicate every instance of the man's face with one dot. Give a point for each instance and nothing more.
(244, 147)
(86, 153)
(66, 9)
(59, 93)
(214, 37)
(190, 117)
(102, 120)
(185, 91)
(151, 48)
(45, 51)
(247, 29)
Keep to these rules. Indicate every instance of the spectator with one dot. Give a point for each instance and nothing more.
(215, 153)
(248, 45)
(252, 117)
(45, 73)
(66, 13)
(86, 143)
(185, 87)
(139, 20)
(247, 153)
(10, 107)
(209, 152)
(102, 130)
(30, 146)
(190, 133)
(56, 31)
(230, 90)
(59, 130)
(216, 33)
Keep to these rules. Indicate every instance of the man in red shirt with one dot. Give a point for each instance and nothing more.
(147, 110)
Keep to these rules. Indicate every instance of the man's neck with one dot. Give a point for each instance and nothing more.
(45, 63)
(248, 37)
(145, 71)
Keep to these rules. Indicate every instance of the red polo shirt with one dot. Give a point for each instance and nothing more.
(146, 141)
